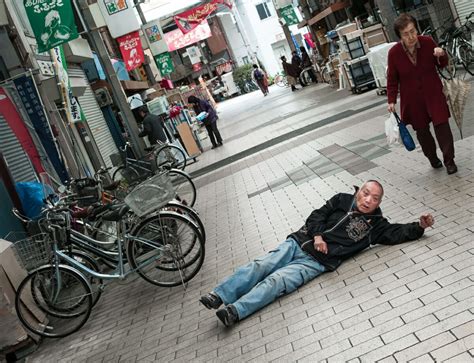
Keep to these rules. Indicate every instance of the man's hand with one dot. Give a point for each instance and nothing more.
(391, 107)
(438, 52)
(320, 245)
(426, 220)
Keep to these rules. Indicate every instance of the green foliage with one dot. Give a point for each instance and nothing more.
(242, 74)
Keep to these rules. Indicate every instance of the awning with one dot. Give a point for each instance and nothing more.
(302, 23)
(330, 9)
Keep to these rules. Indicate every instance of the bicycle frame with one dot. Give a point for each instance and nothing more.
(120, 272)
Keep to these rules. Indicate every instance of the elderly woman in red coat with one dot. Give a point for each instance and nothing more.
(412, 67)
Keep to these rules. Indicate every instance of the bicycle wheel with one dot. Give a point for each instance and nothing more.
(305, 77)
(170, 155)
(127, 176)
(325, 75)
(467, 58)
(279, 80)
(449, 71)
(166, 249)
(184, 186)
(89, 261)
(189, 212)
(62, 301)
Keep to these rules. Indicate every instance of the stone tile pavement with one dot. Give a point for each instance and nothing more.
(411, 302)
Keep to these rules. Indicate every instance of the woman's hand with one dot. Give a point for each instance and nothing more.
(438, 52)
(391, 107)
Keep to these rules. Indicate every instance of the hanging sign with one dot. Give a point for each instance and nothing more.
(155, 38)
(34, 108)
(73, 110)
(194, 54)
(176, 40)
(131, 49)
(52, 22)
(288, 13)
(190, 19)
(119, 15)
(164, 63)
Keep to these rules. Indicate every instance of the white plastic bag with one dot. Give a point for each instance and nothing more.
(391, 130)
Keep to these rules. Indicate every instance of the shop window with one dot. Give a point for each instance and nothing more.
(406, 5)
(245, 60)
(263, 10)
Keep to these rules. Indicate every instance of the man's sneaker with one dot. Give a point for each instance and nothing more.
(228, 315)
(211, 301)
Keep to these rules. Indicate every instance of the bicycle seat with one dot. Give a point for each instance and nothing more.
(149, 148)
(112, 186)
(116, 213)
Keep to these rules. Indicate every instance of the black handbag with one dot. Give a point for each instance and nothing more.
(405, 134)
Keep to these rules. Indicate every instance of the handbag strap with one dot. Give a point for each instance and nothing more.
(399, 121)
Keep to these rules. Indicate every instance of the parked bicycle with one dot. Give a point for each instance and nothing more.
(280, 80)
(133, 171)
(55, 300)
(457, 45)
(250, 86)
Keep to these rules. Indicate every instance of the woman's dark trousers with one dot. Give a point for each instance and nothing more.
(445, 141)
(214, 134)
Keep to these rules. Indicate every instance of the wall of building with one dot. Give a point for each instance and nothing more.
(262, 33)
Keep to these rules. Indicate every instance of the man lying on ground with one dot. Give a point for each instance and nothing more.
(343, 227)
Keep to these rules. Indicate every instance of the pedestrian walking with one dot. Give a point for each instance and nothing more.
(152, 126)
(297, 62)
(343, 227)
(307, 64)
(210, 122)
(259, 77)
(291, 73)
(412, 66)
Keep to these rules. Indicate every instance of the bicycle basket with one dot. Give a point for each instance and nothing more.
(31, 252)
(151, 195)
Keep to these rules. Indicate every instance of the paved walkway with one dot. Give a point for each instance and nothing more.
(390, 303)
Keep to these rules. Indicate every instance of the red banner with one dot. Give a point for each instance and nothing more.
(190, 19)
(131, 49)
(176, 40)
(13, 119)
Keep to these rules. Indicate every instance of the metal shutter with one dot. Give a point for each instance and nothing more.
(95, 119)
(464, 8)
(18, 163)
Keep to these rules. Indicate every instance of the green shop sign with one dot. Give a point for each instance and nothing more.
(288, 13)
(52, 22)
(164, 63)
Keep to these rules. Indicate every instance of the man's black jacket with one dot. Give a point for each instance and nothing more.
(347, 231)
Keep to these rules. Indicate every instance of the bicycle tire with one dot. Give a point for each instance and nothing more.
(77, 288)
(326, 76)
(170, 155)
(184, 187)
(467, 58)
(448, 72)
(188, 212)
(165, 221)
(127, 175)
(279, 81)
(94, 282)
(305, 77)
(171, 266)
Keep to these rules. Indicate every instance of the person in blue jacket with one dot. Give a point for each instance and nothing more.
(210, 122)
(346, 225)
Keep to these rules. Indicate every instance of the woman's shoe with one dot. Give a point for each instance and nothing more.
(436, 164)
(451, 168)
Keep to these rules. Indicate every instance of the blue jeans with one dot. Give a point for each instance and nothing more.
(257, 284)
